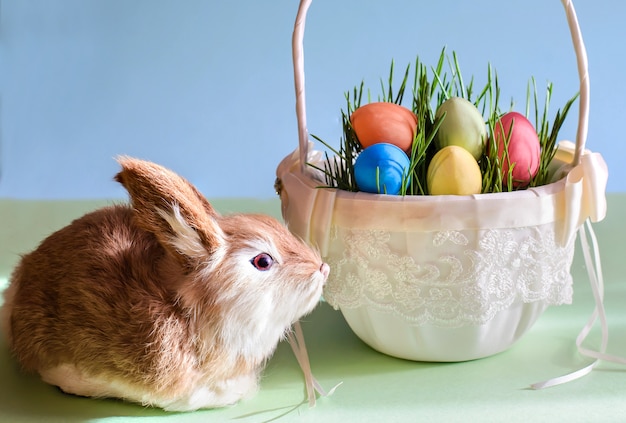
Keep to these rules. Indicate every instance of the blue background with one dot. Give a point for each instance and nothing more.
(206, 87)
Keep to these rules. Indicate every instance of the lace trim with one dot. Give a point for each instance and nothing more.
(447, 278)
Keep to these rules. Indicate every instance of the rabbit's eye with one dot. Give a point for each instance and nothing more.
(262, 261)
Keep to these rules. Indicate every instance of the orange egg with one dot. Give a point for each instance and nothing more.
(384, 122)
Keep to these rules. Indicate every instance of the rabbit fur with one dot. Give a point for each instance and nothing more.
(163, 302)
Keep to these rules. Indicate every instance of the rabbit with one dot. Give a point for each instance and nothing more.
(162, 302)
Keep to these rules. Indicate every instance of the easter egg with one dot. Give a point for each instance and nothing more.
(384, 122)
(463, 125)
(381, 168)
(453, 171)
(516, 132)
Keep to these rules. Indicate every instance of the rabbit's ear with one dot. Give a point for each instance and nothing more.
(171, 208)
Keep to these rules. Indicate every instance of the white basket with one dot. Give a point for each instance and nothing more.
(444, 278)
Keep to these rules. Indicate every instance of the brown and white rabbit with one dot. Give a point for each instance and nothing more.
(163, 302)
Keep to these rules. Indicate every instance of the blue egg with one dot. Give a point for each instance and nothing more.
(380, 169)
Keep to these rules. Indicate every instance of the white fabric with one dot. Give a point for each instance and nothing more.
(447, 278)
(310, 211)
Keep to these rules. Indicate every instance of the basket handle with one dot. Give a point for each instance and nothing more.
(298, 70)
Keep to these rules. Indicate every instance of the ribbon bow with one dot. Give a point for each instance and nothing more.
(585, 186)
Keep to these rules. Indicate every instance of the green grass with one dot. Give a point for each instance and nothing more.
(430, 88)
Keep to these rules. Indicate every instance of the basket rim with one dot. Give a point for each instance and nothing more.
(309, 210)
(534, 192)
(423, 213)
(565, 153)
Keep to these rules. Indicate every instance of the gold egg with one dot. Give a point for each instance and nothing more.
(453, 171)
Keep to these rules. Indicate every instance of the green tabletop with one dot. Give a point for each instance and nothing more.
(375, 387)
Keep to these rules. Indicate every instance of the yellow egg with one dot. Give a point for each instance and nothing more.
(453, 171)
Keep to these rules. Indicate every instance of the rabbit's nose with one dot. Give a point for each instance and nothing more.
(325, 270)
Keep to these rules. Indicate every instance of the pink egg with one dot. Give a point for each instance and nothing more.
(524, 149)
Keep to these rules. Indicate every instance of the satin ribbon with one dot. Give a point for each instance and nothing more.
(296, 340)
(306, 208)
(594, 271)
(585, 187)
